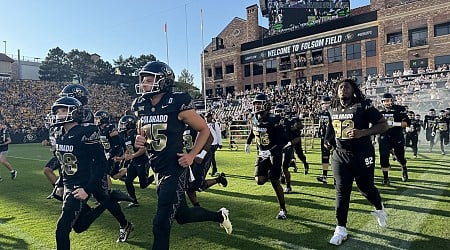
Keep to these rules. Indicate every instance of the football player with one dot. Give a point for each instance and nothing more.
(200, 166)
(270, 140)
(83, 165)
(441, 124)
(393, 138)
(162, 117)
(5, 140)
(354, 156)
(134, 158)
(324, 119)
(428, 123)
(112, 144)
(412, 133)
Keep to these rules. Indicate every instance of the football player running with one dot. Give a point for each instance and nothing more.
(354, 156)
(270, 140)
(397, 119)
(162, 117)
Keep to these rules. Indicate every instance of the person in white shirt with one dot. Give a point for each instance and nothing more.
(214, 127)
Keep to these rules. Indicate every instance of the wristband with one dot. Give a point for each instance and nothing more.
(396, 124)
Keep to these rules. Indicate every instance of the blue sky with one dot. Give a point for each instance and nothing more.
(112, 28)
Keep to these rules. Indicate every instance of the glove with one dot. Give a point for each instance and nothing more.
(247, 148)
(220, 146)
(264, 154)
(433, 133)
(287, 145)
(390, 123)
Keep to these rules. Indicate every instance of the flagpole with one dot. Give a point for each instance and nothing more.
(203, 59)
(167, 43)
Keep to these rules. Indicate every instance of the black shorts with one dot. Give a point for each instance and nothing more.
(53, 163)
(269, 167)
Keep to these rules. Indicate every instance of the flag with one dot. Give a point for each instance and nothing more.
(165, 27)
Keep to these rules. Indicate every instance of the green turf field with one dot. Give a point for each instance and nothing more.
(419, 210)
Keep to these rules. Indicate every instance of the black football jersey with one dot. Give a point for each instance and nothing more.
(396, 113)
(129, 139)
(324, 119)
(163, 129)
(429, 122)
(81, 156)
(415, 126)
(268, 133)
(111, 144)
(355, 116)
(441, 124)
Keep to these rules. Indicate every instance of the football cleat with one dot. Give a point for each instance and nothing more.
(124, 233)
(386, 182)
(282, 215)
(221, 179)
(340, 234)
(288, 190)
(405, 175)
(226, 223)
(322, 178)
(133, 204)
(14, 174)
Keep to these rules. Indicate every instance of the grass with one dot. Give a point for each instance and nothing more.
(419, 210)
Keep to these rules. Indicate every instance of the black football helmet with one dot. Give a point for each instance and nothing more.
(75, 112)
(261, 103)
(101, 117)
(387, 100)
(280, 110)
(164, 78)
(77, 91)
(127, 122)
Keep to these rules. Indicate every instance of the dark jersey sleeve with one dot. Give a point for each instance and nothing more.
(91, 142)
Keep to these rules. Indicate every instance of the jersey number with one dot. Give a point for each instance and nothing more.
(341, 128)
(68, 162)
(155, 138)
(188, 142)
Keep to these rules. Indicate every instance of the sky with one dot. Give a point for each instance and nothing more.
(112, 28)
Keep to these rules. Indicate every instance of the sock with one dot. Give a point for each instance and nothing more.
(386, 175)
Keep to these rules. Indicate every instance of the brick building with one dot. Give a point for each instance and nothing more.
(380, 38)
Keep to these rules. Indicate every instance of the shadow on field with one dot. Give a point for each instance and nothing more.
(8, 242)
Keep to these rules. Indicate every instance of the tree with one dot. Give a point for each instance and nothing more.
(81, 64)
(56, 67)
(102, 72)
(125, 66)
(185, 83)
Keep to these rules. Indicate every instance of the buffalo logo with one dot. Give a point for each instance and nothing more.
(349, 36)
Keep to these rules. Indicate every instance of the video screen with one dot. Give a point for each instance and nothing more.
(285, 16)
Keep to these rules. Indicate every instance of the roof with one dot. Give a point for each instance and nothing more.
(5, 58)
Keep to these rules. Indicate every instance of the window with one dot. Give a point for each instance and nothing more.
(335, 55)
(353, 51)
(271, 66)
(355, 74)
(285, 82)
(271, 84)
(372, 71)
(218, 73)
(394, 38)
(371, 48)
(390, 68)
(209, 92)
(208, 72)
(334, 75)
(258, 86)
(440, 61)
(246, 70)
(442, 29)
(219, 91)
(418, 37)
(317, 78)
(257, 68)
(229, 69)
(285, 63)
(316, 57)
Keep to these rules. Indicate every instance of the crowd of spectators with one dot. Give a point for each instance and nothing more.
(24, 104)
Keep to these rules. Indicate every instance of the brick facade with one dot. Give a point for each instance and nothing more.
(393, 17)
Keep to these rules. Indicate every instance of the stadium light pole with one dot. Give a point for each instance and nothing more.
(5, 46)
